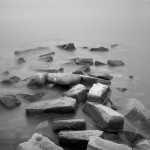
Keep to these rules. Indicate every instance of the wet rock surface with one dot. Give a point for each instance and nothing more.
(78, 139)
(99, 49)
(9, 101)
(39, 142)
(61, 106)
(105, 118)
(97, 143)
(104, 76)
(115, 63)
(70, 124)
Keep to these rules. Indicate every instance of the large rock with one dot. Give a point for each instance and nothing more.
(114, 63)
(71, 124)
(104, 117)
(97, 143)
(78, 139)
(61, 106)
(9, 101)
(142, 144)
(99, 93)
(69, 46)
(38, 142)
(79, 92)
(63, 79)
(99, 49)
(104, 76)
(83, 61)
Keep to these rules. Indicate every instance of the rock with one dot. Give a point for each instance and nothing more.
(61, 69)
(71, 124)
(63, 79)
(43, 125)
(79, 92)
(78, 139)
(46, 55)
(38, 142)
(85, 68)
(78, 72)
(20, 52)
(47, 70)
(114, 63)
(38, 81)
(5, 73)
(83, 61)
(11, 80)
(69, 46)
(85, 47)
(61, 106)
(97, 143)
(104, 117)
(99, 93)
(104, 76)
(47, 58)
(99, 49)
(114, 45)
(9, 101)
(131, 76)
(31, 97)
(122, 89)
(21, 60)
(98, 63)
(142, 144)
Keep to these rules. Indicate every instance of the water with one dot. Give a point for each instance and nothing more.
(27, 24)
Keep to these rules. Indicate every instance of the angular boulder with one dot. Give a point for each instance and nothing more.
(38, 142)
(78, 139)
(70, 124)
(97, 143)
(69, 46)
(99, 49)
(142, 144)
(114, 63)
(61, 106)
(99, 93)
(83, 61)
(104, 76)
(79, 92)
(104, 117)
(9, 101)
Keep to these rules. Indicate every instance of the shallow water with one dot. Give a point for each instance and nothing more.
(29, 24)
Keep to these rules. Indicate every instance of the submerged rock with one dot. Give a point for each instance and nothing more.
(97, 143)
(79, 92)
(114, 63)
(98, 63)
(70, 124)
(114, 45)
(78, 139)
(122, 89)
(142, 144)
(61, 106)
(46, 55)
(83, 61)
(21, 60)
(38, 142)
(99, 49)
(99, 93)
(104, 117)
(10, 101)
(104, 76)
(69, 46)
(31, 97)
(11, 80)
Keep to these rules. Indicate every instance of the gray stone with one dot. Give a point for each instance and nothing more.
(9, 101)
(11, 80)
(69, 46)
(38, 142)
(47, 58)
(77, 139)
(79, 92)
(104, 117)
(114, 63)
(98, 63)
(85, 68)
(83, 61)
(21, 60)
(114, 45)
(99, 49)
(99, 93)
(78, 72)
(70, 124)
(47, 55)
(142, 144)
(104, 76)
(97, 143)
(61, 106)
(122, 89)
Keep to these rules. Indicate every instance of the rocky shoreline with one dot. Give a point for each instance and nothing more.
(82, 87)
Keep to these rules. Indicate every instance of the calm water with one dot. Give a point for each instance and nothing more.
(30, 23)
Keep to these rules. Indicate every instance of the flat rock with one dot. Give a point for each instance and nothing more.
(63, 79)
(97, 143)
(61, 106)
(104, 117)
(142, 144)
(38, 142)
(46, 58)
(99, 63)
(99, 49)
(69, 46)
(104, 76)
(9, 101)
(114, 63)
(78, 72)
(47, 55)
(99, 93)
(70, 124)
(83, 61)
(79, 92)
(77, 139)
